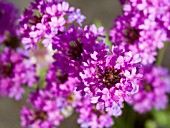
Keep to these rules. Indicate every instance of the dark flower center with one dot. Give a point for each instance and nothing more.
(12, 42)
(6, 69)
(147, 87)
(59, 32)
(35, 19)
(131, 35)
(110, 77)
(74, 50)
(40, 115)
(62, 78)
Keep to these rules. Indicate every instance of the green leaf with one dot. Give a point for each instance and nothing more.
(150, 124)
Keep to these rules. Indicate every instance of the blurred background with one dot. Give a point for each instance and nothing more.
(104, 11)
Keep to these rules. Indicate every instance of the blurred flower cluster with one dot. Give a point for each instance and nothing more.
(69, 67)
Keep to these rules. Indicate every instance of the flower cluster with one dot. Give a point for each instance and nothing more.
(111, 79)
(8, 18)
(83, 67)
(157, 10)
(83, 73)
(45, 19)
(90, 116)
(139, 30)
(82, 53)
(51, 104)
(75, 46)
(143, 28)
(16, 70)
(152, 89)
(16, 73)
(56, 101)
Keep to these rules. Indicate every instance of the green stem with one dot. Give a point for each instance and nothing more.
(161, 54)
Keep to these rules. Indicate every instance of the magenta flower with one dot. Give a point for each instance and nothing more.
(153, 89)
(8, 18)
(16, 69)
(90, 116)
(138, 30)
(50, 20)
(50, 104)
(110, 79)
(38, 119)
(74, 47)
(156, 10)
(15, 73)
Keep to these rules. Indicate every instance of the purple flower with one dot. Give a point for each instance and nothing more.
(45, 112)
(50, 104)
(139, 31)
(76, 16)
(50, 20)
(38, 118)
(60, 81)
(15, 73)
(8, 18)
(108, 79)
(156, 10)
(74, 47)
(90, 116)
(152, 90)
(111, 79)
(16, 70)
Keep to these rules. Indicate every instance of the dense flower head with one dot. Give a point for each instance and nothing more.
(140, 32)
(16, 69)
(74, 47)
(8, 18)
(60, 83)
(154, 9)
(45, 112)
(45, 20)
(110, 79)
(16, 72)
(84, 73)
(39, 119)
(52, 103)
(153, 89)
(90, 117)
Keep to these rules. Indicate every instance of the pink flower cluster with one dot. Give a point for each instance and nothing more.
(86, 75)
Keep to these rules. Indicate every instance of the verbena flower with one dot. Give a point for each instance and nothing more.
(139, 31)
(157, 10)
(153, 89)
(51, 104)
(16, 70)
(16, 73)
(74, 47)
(110, 79)
(39, 119)
(8, 18)
(45, 20)
(82, 53)
(89, 116)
